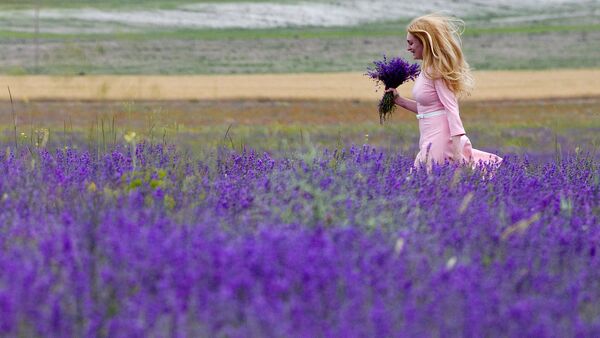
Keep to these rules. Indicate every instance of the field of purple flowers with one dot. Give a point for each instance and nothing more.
(351, 243)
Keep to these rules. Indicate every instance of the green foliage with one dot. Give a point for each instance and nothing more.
(145, 178)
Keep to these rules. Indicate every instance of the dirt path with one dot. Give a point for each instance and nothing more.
(491, 85)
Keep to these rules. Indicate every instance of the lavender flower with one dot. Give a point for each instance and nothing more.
(253, 244)
(392, 73)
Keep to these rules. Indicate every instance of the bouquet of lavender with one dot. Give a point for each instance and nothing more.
(392, 73)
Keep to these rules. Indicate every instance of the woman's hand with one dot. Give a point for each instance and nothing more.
(403, 102)
(397, 97)
(457, 149)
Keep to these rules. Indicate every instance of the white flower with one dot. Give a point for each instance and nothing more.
(451, 263)
(399, 245)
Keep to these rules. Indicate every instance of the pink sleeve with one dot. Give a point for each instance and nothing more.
(450, 103)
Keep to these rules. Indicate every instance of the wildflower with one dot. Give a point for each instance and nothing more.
(130, 137)
(451, 263)
(399, 245)
(42, 136)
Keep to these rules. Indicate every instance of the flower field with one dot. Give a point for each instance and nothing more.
(177, 168)
(347, 243)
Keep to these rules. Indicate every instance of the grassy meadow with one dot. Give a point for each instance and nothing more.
(294, 126)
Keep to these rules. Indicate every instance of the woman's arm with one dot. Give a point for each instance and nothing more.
(403, 102)
(450, 104)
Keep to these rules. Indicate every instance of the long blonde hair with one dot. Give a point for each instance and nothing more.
(442, 54)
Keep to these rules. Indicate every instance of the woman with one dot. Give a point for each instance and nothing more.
(445, 76)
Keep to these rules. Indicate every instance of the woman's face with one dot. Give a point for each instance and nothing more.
(414, 46)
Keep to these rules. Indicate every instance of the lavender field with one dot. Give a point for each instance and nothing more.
(349, 243)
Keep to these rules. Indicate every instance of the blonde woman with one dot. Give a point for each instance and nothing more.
(445, 77)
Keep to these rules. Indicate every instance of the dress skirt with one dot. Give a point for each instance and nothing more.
(435, 144)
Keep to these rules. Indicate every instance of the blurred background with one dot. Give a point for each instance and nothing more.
(281, 36)
(216, 39)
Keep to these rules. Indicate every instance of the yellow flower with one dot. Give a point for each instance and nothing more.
(92, 187)
(130, 137)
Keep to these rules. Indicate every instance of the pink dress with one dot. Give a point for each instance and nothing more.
(439, 119)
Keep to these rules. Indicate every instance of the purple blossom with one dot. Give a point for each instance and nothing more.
(351, 243)
(393, 72)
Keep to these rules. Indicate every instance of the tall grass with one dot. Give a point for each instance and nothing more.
(551, 127)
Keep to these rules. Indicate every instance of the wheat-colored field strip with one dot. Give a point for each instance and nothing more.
(491, 85)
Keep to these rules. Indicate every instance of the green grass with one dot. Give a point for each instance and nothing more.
(380, 29)
(306, 126)
(300, 138)
(541, 44)
(533, 29)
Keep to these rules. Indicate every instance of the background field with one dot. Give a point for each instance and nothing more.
(546, 112)
(490, 85)
(172, 37)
